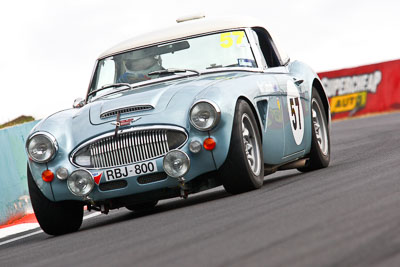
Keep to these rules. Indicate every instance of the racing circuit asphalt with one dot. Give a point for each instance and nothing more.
(345, 215)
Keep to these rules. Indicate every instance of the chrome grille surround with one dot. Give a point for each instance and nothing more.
(131, 146)
(124, 110)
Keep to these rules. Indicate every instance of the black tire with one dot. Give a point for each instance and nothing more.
(55, 218)
(239, 173)
(319, 156)
(145, 206)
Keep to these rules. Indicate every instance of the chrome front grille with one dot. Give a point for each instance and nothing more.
(129, 148)
(124, 110)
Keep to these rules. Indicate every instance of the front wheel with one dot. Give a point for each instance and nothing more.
(320, 142)
(55, 218)
(243, 169)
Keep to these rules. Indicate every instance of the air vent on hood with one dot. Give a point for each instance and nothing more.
(124, 110)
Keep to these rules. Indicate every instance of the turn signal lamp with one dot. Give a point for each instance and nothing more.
(209, 144)
(47, 176)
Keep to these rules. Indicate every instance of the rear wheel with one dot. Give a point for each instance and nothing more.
(243, 169)
(319, 156)
(145, 206)
(55, 218)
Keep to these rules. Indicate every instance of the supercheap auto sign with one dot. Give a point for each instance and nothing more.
(364, 89)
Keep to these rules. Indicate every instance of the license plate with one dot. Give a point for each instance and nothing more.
(131, 170)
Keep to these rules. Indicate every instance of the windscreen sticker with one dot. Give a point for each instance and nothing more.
(245, 62)
(227, 38)
(295, 110)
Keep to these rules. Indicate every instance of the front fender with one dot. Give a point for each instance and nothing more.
(226, 97)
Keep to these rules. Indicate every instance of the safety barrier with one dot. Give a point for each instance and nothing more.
(14, 196)
(362, 90)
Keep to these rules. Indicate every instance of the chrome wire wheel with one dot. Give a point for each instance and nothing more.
(320, 128)
(243, 169)
(250, 143)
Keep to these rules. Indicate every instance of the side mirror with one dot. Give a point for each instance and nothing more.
(78, 103)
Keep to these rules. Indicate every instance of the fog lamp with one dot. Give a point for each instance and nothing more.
(80, 183)
(176, 163)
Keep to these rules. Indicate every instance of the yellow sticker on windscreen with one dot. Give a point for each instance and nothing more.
(227, 38)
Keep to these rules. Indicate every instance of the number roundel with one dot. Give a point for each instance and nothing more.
(295, 110)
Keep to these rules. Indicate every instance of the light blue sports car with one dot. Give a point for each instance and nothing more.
(175, 112)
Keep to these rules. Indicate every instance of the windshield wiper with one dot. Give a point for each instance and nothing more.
(115, 85)
(172, 71)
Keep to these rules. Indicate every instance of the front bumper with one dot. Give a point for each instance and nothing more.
(57, 190)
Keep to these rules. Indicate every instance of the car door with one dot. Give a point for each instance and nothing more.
(294, 103)
(269, 107)
(289, 94)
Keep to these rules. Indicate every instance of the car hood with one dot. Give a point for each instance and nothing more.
(143, 101)
(171, 100)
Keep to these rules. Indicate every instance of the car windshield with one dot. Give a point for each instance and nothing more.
(198, 54)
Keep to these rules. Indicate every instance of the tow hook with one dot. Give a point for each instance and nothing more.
(104, 208)
(184, 189)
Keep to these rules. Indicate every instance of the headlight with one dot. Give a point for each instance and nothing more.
(80, 183)
(41, 147)
(204, 115)
(176, 163)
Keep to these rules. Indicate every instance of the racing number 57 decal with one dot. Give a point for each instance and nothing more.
(227, 38)
(295, 113)
(295, 110)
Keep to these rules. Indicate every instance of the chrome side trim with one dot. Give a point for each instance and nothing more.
(294, 154)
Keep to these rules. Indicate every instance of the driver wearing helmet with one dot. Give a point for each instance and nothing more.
(138, 65)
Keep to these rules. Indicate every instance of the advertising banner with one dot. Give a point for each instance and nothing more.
(362, 90)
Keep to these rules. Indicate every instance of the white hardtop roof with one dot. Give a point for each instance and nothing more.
(182, 30)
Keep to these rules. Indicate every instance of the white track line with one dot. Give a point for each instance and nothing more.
(94, 214)
(20, 237)
(16, 229)
(91, 215)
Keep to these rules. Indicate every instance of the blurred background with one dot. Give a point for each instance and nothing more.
(49, 47)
